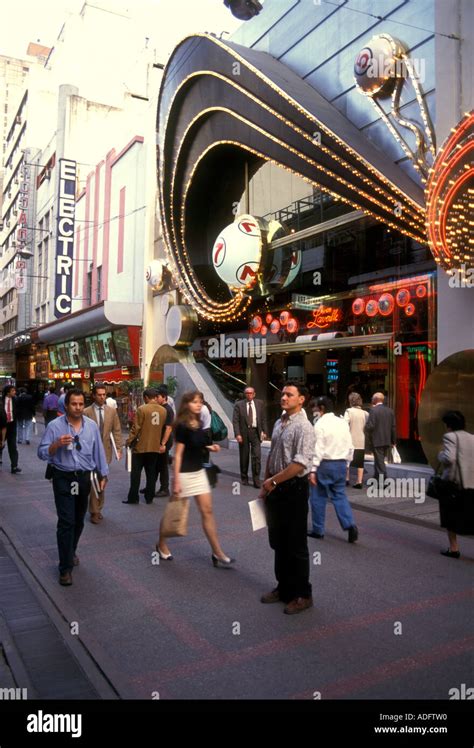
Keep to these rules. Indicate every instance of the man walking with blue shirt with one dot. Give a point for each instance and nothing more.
(73, 447)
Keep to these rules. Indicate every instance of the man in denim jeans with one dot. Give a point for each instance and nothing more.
(333, 452)
(73, 446)
(285, 492)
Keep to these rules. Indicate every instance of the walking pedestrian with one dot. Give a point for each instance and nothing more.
(250, 429)
(457, 461)
(9, 405)
(190, 479)
(73, 447)
(145, 440)
(108, 423)
(50, 405)
(380, 431)
(285, 492)
(332, 454)
(356, 417)
(25, 411)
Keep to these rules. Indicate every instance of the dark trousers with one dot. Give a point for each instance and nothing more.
(11, 443)
(287, 514)
(250, 445)
(71, 494)
(162, 470)
(379, 461)
(147, 460)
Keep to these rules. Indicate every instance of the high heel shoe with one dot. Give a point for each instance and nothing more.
(164, 556)
(226, 562)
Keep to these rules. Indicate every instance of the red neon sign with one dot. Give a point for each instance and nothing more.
(325, 316)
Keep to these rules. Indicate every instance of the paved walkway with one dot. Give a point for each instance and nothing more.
(132, 628)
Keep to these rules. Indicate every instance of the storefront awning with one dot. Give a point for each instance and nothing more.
(356, 341)
(104, 316)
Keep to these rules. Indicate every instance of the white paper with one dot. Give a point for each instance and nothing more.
(257, 514)
(128, 460)
(95, 483)
(114, 446)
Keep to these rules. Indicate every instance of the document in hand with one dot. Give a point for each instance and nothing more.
(257, 514)
(128, 460)
(114, 446)
(95, 482)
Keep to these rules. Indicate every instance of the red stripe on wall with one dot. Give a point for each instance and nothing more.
(95, 237)
(121, 231)
(77, 261)
(109, 159)
(85, 268)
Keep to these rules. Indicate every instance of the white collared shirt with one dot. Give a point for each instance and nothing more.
(333, 439)
(254, 413)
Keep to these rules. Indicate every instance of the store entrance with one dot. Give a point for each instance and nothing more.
(332, 372)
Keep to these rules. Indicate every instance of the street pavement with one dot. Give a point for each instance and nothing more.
(391, 616)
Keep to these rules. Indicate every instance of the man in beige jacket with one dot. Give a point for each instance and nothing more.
(145, 440)
(109, 426)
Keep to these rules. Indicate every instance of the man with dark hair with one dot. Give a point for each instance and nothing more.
(73, 447)
(332, 454)
(9, 405)
(145, 439)
(380, 431)
(109, 428)
(285, 492)
(25, 411)
(167, 442)
(62, 398)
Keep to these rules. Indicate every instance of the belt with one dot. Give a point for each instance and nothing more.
(75, 473)
(339, 459)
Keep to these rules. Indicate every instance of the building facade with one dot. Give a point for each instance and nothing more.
(335, 284)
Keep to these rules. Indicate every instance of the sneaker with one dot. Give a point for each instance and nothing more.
(298, 605)
(353, 534)
(315, 535)
(271, 597)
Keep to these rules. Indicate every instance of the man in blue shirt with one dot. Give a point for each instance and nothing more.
(73, 447)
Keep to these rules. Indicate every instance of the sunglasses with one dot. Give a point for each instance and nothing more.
(77, 443)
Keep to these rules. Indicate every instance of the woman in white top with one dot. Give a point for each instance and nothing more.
(356, 418)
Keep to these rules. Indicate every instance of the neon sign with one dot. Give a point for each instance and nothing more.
(325, 316)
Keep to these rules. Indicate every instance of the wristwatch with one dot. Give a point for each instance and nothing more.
(274, 483)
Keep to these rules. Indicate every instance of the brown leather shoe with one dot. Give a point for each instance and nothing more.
(298, 605)
(75, 561)
(95, 519)
(271, 597)
(65, 579)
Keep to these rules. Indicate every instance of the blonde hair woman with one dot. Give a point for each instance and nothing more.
(190, 478)
(356, 417)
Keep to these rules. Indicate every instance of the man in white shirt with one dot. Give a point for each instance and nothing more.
(333, 452)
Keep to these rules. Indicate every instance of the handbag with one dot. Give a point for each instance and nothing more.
(174, 523)
(218, 427)
(212, 471)
(49, 472)
(396, 459)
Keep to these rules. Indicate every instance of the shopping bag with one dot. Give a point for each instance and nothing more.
(174, 523)
(396, 456)
(35, 426)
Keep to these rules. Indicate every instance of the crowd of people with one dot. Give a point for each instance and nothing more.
(308, 465)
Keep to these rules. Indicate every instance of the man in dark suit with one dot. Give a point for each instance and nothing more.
(9, 404)
(380, 431)
(250, 428)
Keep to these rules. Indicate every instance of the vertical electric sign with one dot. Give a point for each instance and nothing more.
(65, 237)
